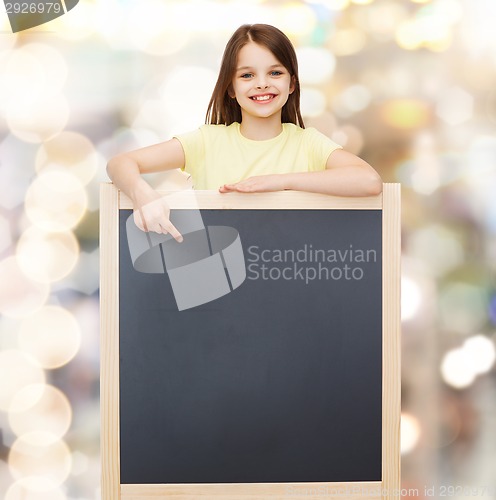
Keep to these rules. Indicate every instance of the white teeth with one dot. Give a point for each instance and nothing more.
(262, 98)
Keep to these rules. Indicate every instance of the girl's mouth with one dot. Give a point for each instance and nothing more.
(262, 97)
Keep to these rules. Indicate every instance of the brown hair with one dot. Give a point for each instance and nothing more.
(224, 110)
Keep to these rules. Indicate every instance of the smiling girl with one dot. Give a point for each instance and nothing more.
(254, 139)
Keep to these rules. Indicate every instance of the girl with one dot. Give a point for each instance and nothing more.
(254, 139)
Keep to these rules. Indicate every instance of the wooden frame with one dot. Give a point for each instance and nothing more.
(389, 201)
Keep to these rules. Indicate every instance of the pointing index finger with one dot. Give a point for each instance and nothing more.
(174, 232)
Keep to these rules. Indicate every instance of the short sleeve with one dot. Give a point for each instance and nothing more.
(319, 148)
(193, 147)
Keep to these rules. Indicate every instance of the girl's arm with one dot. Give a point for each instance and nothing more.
(151, 211)
(345, 175)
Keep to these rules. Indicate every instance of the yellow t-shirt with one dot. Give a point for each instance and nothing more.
(219, 154)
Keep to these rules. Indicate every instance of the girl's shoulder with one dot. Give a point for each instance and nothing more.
(310, 137)
(305, 133)
(203, 135)
(219, 129)
(216, 131)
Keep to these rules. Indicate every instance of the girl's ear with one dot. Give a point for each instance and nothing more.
(292, 85)
(230, 92)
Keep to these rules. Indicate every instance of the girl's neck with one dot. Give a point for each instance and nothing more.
(260, 129)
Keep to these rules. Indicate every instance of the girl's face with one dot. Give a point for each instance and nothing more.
(261, 84)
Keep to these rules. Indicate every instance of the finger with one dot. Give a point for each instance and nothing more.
(174, 232)
(143, 220)
(155, 228)
(138, 224)
(138, 221)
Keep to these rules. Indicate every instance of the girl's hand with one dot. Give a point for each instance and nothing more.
(256, 184)
(153, 215)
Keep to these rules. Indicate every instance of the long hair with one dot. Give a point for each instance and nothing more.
(223, 109)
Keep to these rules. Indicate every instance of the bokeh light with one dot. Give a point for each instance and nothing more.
(71, 152)
(109, 22)
(30, 74)
(56, 201)
(51, 335)
(17, 370)
(410, 432)
(19, 295)
(38, 121)
(457, 369)
(47, 257)
(5, 234)
(438, 247)
(315, 65)
(333, 4)
(350, 137)
(477, 28)
(325, 122)
(14, 180)
(21, 77)
(455, 106)
(313, 103)
(34, 488)
(126, 139)
(186, 110)
(39, 454)
(6, 42)
(480, 162)
(381, 19)
(431, 26)
(78, 24)
(51, 413)
(481, 351)
(55, 69)
(406, 114)
(26, 397)
(156, 33)
(296, 19)
(461, 366)
(347, 41)
(427, 173)
(85, 277)
(411, 298)
(351, 100)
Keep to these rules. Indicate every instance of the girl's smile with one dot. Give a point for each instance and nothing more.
(263, 98)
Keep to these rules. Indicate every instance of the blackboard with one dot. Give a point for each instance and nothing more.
(280, 380)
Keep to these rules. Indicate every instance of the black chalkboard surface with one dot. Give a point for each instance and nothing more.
(279, 380)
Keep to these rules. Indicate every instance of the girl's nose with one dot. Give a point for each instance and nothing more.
(262, 85)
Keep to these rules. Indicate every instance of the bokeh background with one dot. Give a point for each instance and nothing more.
(409, 85)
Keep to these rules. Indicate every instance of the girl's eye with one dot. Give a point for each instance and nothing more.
(246, 75)
(276, 73)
